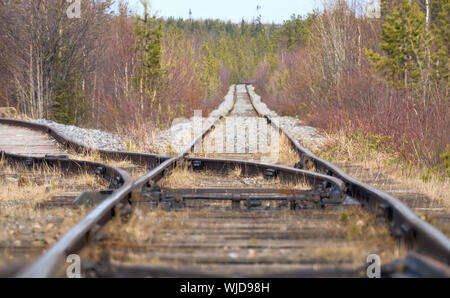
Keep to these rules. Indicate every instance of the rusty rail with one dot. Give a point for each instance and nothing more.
(150, 160)
(78, 235)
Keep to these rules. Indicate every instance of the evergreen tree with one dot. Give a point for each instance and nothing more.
(441, 57)
(149, 32)
(210, 70)
(406, 44)
(435, 7)
(388, 6)
(68, 101)
(297, 30)
(438, 7)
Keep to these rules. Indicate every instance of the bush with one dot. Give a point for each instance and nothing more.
(329, 84)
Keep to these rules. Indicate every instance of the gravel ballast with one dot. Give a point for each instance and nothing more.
(308, 136)
(93, 138)
(180, 134)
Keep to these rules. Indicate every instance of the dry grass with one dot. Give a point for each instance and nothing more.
(142, 228)
(385, 163)
(142, 139)
(146, 222)
(11, 112)
(364, 236)
(340, 147)
(427, 193)
(288, 155)
(27, 231)
(41, 183)
(183, 177)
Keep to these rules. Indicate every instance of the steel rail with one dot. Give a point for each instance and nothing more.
(403, 222)
(161, 170)
(146, 159)
(50, 263)
(249, 168)
(223, 165)
(120, 181)
(115, 176)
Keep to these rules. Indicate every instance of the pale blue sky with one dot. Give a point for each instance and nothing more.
(271, 10)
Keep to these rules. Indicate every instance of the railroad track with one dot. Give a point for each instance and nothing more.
(35, 159)
(228, 214)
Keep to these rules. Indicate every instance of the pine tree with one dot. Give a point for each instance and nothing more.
(149, 34)
(441, 58)
(438, 7)
(388, 6)
(297, 30)
(406, 44)
(435, 6)
(210, 70)
(68, 100)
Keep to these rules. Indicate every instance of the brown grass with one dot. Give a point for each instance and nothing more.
(31, 228)
(288, 155)
(142, 139)
(27, 231)
(11, 112)
(141, 228)
(385, 162)
(183, 177)
(427, 193)
(19, 184)
(364, 236)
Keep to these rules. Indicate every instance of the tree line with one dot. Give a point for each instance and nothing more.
(102, 68)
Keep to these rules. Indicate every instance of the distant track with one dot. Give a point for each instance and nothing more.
(240, 135)
(330, 187)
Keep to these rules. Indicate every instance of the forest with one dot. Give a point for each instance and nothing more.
(338, 68)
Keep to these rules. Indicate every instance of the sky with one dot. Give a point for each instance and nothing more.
(272, 11)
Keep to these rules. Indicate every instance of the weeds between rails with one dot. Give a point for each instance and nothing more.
(27, 229)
